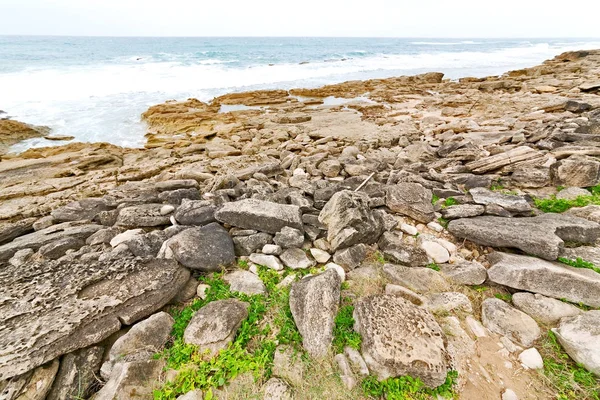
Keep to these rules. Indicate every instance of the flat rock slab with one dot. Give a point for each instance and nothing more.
(580, 337)
(263, 216)
(545, 310)
(577, 285)
(421, 280)
(401, 339)
(53, 308)
(511, 203)
(542, 236)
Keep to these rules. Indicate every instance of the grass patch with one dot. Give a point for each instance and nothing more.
(408, 388)
(450, 201)
(570, 380)
(343, 331)
(443, 222)
(579, 263)
(435, 199)
(504, 296)
(434, 266)
(554, 205)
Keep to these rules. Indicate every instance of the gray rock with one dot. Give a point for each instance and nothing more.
(351, 257)
(542, 236)
(187, 292)
(33, 385)
(77, 374)
(511, 203)
(449, 301)
(38, 239)
(330, 168)
(548, 278)
(398, 251)
(132, 380)
(146, 245)
(58, 248)
(72, 304)
(349, 220)
(497, 161)
(12, 230)
(195, 212)
(591, 212)
(572, 193)
(177, 196)
(543, 309)
(578, 171)
(175, 184)
(531, 177)
(531, 359)
(103, 236)
(501, 318)
(438, 253)
(246, 245)
(579, 336)
(261, 215)
(80, 210)
(297, 259)
(587, 253)
(289, 238)
(267, 261)
(421, 280)
(411, 199)
(464, 272)
(401, 339)
(207, 248)
(193, 395)
(272, 249)
(245, 282)
(288, 365)
(320, 256)
(143, 215)
(463, 211)
(21, 257)
(314, 303)
(276, 389)
(215, 325)
(357, 361)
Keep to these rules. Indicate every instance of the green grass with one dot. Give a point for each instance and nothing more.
(450, 201)
(435, 199)
(408, 388)
(554, 205)
(570, 380)
(443, 222)
(434, 266)
(579, 263)
(343, 331)
(504, 296)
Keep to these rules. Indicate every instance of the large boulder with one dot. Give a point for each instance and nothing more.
(399, 338)
(349, 220)
(215, 325)
(77, 374)
(207, 248)
(411, 199)
(314, 304)
(56, 307)
(580, 336)
(543, 236)
(503, 319)
(577, 285)
(260, 215)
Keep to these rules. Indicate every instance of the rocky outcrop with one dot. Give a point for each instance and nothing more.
(12, 132)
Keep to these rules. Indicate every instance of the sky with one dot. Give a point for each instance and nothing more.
(370, 18)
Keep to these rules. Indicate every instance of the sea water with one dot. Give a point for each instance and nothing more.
(95, 88)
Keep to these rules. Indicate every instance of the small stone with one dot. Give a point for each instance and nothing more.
(434, 226)
(351, 257)
(272, 249)
(436, 251)
(288, 238)
(297, 259)
(357, 360)
(201, 291)
(531, 359)
(509, 395)
(320, 256)
(475, 327)
(267, 261)
(408, 229)
(337, 269)
(166, 209)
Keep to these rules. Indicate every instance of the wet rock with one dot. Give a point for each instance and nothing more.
(421, 280)
(578, 171)
(297, 259)
(400, 252)
(400, 339)
(289, 238)
(215, 325)
(547, 278)
(261, 215)
(79, 210)
(349, 220)
(207, 248)
(195, 212)
(314, 304)
(351, 257)
(542, 236)
(543, 309)
(501, 318)
(144, 215)
(511, 203)
(61, 318)
(137, 379)
(464, 272)
(463, 211)
(77, 374)
(245, 282)
(246, 245)
(411, 199)
(579, 336)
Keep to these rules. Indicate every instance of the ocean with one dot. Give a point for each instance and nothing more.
(95, 88)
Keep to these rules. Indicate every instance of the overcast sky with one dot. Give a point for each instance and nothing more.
(418, 18)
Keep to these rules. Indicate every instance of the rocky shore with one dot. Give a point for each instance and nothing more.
(410, 237)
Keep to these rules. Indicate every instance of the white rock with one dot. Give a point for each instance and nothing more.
(434, 226)
(201, 291)
(531, 359)
(337, 269)
(476, 327)
(408, 229)
(436, 252)
(509, 395)
(272, 249)
(320, 256)
(166, 209)
(125, 236)
(266, 260)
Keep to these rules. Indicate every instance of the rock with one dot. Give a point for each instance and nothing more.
(314, 304)
(346, 374)
(296, 259)
(476, 328)
(351, 257)
(79, 210)
(144, 215)
(357, 361)
(449, 301)
(59, 247)
(215, 325)
(435, 251)
(330, 168)
(245, 282)
(193, 395)
(509, 394)
(246, 245)
(141, 342)
(421, 280)
(132, 380)
(77, 374)
(497, 161)
(400, 252)
(531, 359)
(289, 238)
(337, 268)
(578, 171)
(411, 199)
(99, 297)
(33, 386)
(267, 261)
(287, 365)
(125, 236)
(178, 196)
(579, 336)
(195, 212)
(320, 256)
(400, 339)
(464, 272)
(276, 389)
(12, 132)
(531, 177)
(405, 293)
(572, 193)
(272, 249)
(13, 230)
(591, 212)
(207, 248)
(202, 290)
(501, 318)
(542, 236)
(577, 285)
(21, 257)
(511, 203)
(261, 215)
(349, 220)
(188, 292)
(543, 309)
(463, 211)
(40, 238)
(409, 229)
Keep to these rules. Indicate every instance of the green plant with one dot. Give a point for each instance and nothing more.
(408, 388)
(450, 201)
(434, 266)
(343, 331)
(435, 199)
(496, 186)
(579, 263)
(379, 257)
(554, 205)
(243, 264)
(443, 222)
(479, 288)
(570, 380)
(504, 296)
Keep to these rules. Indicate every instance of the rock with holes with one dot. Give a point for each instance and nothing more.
(401, 339)
(503, 319)
(314, 303)
(411, 199)
(71, 304)
(580, 335)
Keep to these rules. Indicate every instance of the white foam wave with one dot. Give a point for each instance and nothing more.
(445, 43)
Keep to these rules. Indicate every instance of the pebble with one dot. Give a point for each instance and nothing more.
(408, 229)
(436, 252)
(531, 359)
(509, 395)
(166, 209)
(320, 256)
